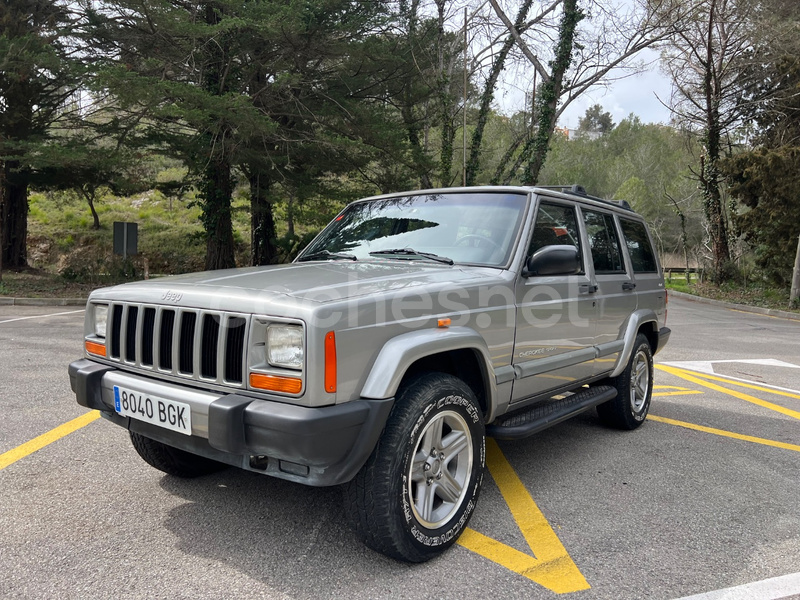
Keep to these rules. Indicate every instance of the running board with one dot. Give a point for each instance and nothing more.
(541, 416)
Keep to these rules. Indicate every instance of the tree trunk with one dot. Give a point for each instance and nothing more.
(89, 195)
(795, 292)
(710, 176)
(538, 146)
(290, 213)
(501, 166)
(446, 100)
(217, 184)
(15, 217)
(417, 152)
(217, 192)
(2, 214)
(410, 13)
(263, 238)
(473, 163)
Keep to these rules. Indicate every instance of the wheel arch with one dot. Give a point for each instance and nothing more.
(641, 321)
(458, 351)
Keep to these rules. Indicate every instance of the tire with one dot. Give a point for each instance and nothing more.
(173, 461)
(407, 502)
(634, 390)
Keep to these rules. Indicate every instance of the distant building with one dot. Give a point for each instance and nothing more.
(574, 134)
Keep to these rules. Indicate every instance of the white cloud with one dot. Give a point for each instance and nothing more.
(641, 94)
(637, 94)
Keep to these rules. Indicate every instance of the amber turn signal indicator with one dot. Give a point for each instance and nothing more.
(330, 362)
(276, 383)
(444, 323)
(95, 348)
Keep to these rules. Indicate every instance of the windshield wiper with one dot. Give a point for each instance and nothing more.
(413, 253)
(327, 255)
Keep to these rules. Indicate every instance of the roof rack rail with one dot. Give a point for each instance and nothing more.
(579, 190)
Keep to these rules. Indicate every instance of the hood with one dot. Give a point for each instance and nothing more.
(315, 282)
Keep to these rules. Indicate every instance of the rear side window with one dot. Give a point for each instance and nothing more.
(603, 242)
(638, 242)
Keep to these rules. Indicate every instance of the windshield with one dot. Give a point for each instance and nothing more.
(478, 228)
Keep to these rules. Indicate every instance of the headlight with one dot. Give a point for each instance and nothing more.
(100, 319)
(285, 346)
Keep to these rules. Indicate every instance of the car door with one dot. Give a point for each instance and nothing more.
(555, 315)
(647, 275)
(614, 288)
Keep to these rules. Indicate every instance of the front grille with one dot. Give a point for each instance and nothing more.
(198, 344)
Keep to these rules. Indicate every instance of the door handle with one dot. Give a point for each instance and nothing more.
(587, 289)
(628, 285)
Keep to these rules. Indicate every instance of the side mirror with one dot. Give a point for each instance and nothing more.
(554, 260)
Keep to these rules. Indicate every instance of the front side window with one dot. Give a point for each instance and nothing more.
(642, 256)
(479, 228)
(556, 225)
(603, 242)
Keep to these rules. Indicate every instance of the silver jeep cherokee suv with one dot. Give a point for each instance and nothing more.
(413, 326)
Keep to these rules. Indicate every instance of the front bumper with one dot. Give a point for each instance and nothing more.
(315, 446)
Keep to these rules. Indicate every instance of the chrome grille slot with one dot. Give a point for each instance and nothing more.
(116, 330)
(148, 331)
(208, 346)
(130, 334)
(186, 344)
(165, 339)
(234, 349)
(202, 345)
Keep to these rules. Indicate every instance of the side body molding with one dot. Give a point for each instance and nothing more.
(629, 331)
(399, 353)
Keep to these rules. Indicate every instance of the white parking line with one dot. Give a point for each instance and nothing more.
(769, 589)
(707, 367)
(69, 312)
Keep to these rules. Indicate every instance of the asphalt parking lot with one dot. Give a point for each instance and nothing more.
(702, 498)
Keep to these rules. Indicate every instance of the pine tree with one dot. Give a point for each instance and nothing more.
(39, 75)
(256, 88)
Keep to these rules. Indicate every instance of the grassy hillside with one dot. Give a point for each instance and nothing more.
(69, 258)
(61, 238)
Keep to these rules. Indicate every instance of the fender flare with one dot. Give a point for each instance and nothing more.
(400, 352)
(631, 330)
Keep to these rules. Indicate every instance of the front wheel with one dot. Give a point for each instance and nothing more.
(419, 488)
(172, 460)
(634, 390)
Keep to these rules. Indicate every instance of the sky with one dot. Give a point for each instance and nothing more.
(637, 94)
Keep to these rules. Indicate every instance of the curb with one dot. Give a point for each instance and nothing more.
(770, 312)
(42, 301)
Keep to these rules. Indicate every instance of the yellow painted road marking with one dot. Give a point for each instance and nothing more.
(723, 433)
(736, 394)
(12, 456)
(743, 384)
(672, 387)
(551, 565)
(677, 390)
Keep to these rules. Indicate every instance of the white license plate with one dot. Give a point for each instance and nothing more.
(169, 414)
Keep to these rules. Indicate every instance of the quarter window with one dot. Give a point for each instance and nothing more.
(642, 256)
(603, 242)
